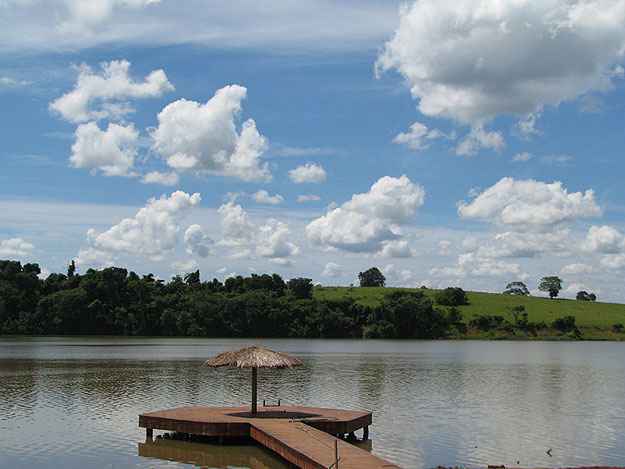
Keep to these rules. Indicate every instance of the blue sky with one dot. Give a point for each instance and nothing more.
(328, 84)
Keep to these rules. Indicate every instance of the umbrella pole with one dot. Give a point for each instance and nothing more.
(254, 387)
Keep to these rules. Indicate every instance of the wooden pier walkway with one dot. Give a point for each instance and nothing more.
(304, 436)
(309, 448)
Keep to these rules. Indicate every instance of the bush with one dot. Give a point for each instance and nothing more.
(487, 322)
(380, 330)
(452, 296)
(565, 324)
(618, 328)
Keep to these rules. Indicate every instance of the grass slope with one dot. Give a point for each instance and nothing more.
(588, 315)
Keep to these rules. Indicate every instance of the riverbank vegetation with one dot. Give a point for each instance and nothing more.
(117, 302)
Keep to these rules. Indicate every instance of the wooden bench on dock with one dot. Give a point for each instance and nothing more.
(304, 436)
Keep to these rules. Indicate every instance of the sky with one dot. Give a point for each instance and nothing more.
(469, 143)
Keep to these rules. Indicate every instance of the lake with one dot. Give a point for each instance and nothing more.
(74, 402)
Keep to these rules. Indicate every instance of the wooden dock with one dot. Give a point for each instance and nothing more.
(308, 437)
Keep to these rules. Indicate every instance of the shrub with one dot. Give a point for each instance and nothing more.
(618, 327)
(452, 296)
(565, 324)
(487, 322)
(380, 330)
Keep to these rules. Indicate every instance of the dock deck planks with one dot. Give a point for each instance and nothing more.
(307, 441)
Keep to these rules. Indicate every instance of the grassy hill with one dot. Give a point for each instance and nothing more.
(595, 319)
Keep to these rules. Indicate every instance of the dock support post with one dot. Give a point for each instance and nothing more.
(365, 433)
(254, 386)
(149, 433)
(336, 454)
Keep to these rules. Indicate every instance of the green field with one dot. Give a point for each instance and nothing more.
(593, 318)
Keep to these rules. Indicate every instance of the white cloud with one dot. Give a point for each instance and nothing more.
(152, 232)
(396, 248)
(419, 137)
(527, 126)
(288, 151)
(112, 151)
(522, 157)
(444, 247)
(204, 138)
(398, 277)
(271, 240)
(573, 288)
(556, 159)
(529, 203)
(236, 226)
(472, 62)
(197, 242)
(615, 262)
(369, 220)
(576, 269)
(308, 173)
(472, 264)
(184, 267)
(332, 270)
(604, 239)
(263, 197)
(93, 258)
(104, 95)
(274, 242)
(83, 16)
(274, 25)
(479, 138)
(15, 247)
(307, 198)
(157, 177)
(8, 82)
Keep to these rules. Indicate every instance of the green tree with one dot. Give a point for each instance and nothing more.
(551, 285)
(372, 278)
(71, 269)
(451, 296)
(192, 278)
(516, 288)
(301, 288)
(585, 296)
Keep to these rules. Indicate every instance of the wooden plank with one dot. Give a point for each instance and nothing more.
(309, 448)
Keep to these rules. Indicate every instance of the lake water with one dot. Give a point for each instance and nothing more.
(73, 403)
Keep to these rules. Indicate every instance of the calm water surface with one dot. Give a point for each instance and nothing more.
(73, 403)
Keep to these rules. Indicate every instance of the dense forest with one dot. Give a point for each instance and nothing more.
(117, 302)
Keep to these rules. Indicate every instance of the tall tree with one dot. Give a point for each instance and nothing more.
(551, 284)
(71, 269)
(372, 278)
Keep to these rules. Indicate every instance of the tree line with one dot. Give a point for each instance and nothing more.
(118, 302)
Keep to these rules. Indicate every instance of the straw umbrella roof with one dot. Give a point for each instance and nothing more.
(254, 357)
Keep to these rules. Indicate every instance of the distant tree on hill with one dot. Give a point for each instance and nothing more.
(451, 296)
(551, 285)
(71, 269)
(585, 296)
(372, 278)
(516, 288)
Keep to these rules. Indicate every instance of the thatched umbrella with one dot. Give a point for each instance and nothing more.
(254, 357)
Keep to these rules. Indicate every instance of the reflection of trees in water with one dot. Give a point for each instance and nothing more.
(18, 388)
(371, 379)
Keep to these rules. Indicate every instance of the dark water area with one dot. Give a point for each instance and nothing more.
(73, 403)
